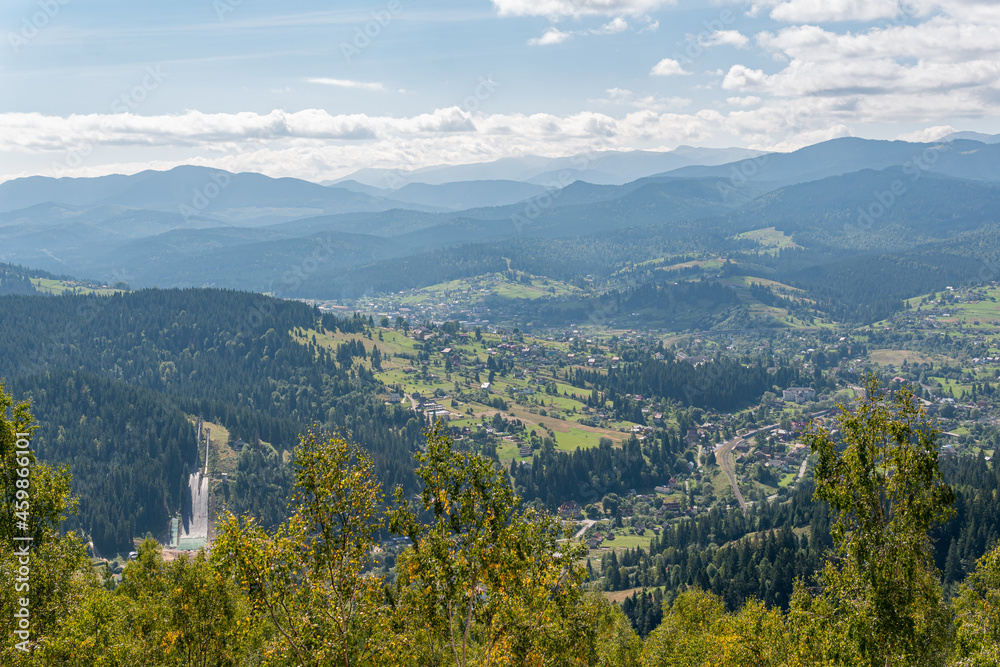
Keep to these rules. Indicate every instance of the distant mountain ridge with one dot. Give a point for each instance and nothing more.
(193, 226)
(961, 158)
(600, 167)
(190, 191)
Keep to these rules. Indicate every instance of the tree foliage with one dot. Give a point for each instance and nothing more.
(309, 577)
(884, 487)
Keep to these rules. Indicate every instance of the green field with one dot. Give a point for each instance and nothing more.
(60, 287)
(471, 291)
(770, 238)
(626, 542)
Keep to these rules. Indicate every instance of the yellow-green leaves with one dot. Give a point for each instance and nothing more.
(310, 580)
(883, 485)
(977, 614)
(490, 582)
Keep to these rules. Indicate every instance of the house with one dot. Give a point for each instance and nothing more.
(486, 387)
(398, 542)
(438, 414)
(799, 394)
(694, 360)
(570, 510)
(420, 333)
(395, 398)
(525, 451)
(670, 506)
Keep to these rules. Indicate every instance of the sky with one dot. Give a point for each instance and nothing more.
(317, 90)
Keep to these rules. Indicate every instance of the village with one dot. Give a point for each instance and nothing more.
(512, 395)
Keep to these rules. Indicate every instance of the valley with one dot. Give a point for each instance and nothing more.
(643, 361)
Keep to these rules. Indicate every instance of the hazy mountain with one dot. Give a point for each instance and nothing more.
(22, 193)
(130, 228)
(243, 199)
(973, 136)
(40, 214)
(872, 210)
(461, 195)
(605, 167)
(354, 186)
(386, 223)
(964, 159)
(838, 221)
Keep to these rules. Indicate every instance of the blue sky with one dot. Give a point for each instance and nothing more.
(299, 89)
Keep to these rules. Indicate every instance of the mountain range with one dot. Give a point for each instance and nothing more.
(194, 226)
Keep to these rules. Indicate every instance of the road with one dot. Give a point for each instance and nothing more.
(802, 468)
(587, 523)
(724, 457)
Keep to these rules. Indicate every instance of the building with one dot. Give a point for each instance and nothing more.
(799, 394)
(570, 510)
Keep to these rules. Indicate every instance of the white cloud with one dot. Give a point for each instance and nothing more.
(944, 66)
(315, 144)
(612, 27)
(668, 67)
(930, 71)
(749, 101)
(821, 11)
(576, 8)
(555, 36)
(741, 77)
(727, 38)
(927, 134)
(651, 25)
(550, 37)
(347, 83)
(623, 97)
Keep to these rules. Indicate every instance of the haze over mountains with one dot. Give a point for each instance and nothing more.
(600, 167)
(193, 226)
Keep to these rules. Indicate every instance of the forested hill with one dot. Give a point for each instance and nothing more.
(104, 373)
(14, 280)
